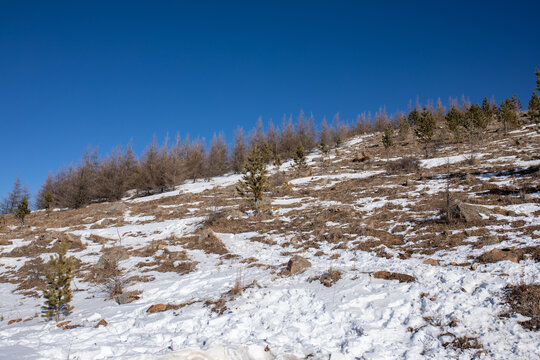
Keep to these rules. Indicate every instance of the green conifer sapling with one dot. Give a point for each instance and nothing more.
(58, 294)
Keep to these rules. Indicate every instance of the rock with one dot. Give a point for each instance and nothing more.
(101, 322)
(73, 240)
(364, 157)
(107, 222)
(496, 255)
(156, 308)
(469, 212)
(432, 262)
(118, 206)
(63, 323)
(393, 276)
(297, 265)
(13, 321)
(121, 299)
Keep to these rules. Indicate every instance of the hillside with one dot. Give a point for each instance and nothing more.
(200, 274)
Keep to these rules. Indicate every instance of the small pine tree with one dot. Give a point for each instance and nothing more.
(537, 72)
(300, 157)
(508, 113)
(49, 199)
(277, 161)
(22, 210)
(489, 111)
(425, 128)
(454, 120)
(387, 139)
(414, 117)
(534, 108)
(324, 148)
(252, 184)
(58, 294)
(403, 128)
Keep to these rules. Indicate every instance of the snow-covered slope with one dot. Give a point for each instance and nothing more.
(347, 216)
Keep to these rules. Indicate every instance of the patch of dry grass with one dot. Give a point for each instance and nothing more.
(525, 300)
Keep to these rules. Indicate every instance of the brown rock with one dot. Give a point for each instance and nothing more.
(101, 322)
(297, 265)
(496, 255)
(119, 206)
(432, 262)
(469, 212)
(63, 323)
(393, 276)
(156, 308)
(14, 321)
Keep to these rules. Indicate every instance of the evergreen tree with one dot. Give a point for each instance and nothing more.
(300, 158)
(414, 117)
(22, 210)
(49, 199)
(387, 139)
(537, 79)
(508, 113)
(10, 203)
(534, 108)
(403, 128)
(477, 118)
(534, 103)
(58, 294)
(278, 162)
(489, 111)
(425, 128)
(267, 153)
(454, 120)
(252, 184)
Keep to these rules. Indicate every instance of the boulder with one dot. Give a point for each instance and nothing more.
(469, 212)
(297, 265)
(116, 207)
(156, 308)
(496, 255)
(432, 262)
(393, 276)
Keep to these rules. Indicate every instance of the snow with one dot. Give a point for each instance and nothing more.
(336, 177)
(194, 187)
(282, 317)
(435, 162)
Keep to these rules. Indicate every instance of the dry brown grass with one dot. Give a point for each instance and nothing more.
(525, 300)
(404, 165)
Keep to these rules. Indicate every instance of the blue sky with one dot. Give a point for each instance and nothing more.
(99, 73)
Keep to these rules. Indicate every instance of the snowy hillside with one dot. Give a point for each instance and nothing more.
(204, 278)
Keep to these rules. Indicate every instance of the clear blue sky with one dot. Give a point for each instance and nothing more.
(99, 73)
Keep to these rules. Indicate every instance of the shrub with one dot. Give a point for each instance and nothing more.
(405, 164)
(22, 210)
(58, 294)
(252, 184)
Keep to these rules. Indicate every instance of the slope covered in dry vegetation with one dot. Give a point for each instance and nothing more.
(367, 251)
